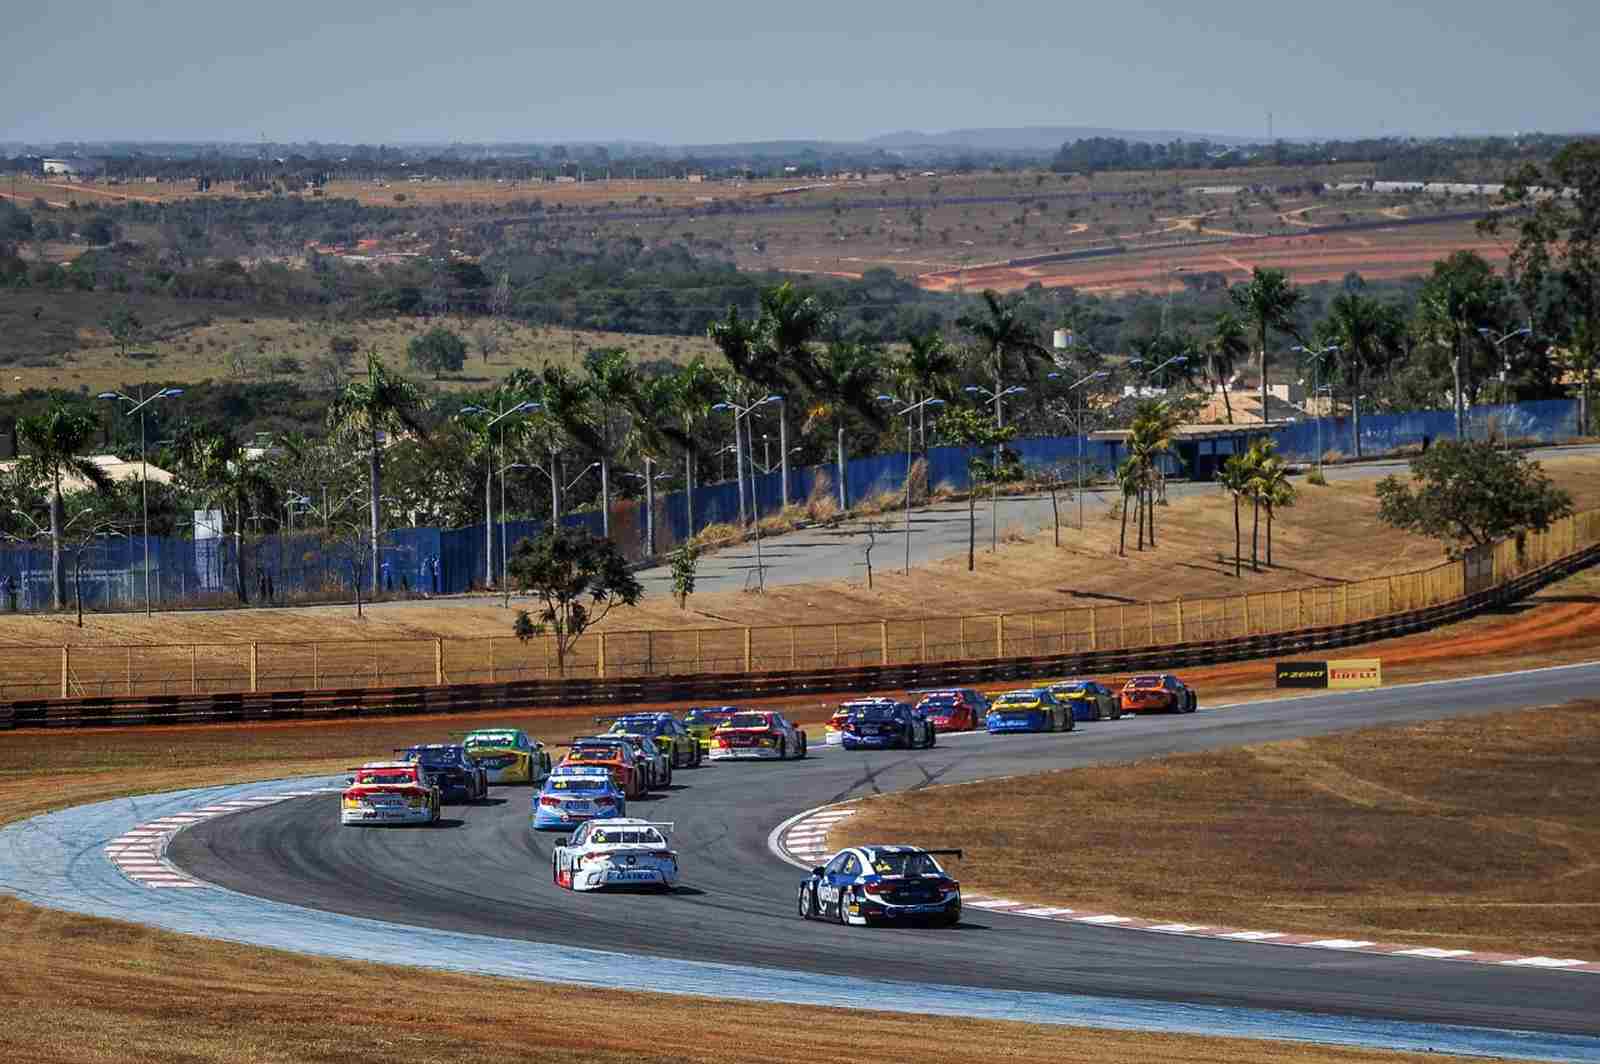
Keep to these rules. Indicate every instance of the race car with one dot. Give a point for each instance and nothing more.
(701, 721)
(763, 735)
(952, 710)
(616, 852)
(887, 724)
(845, 709)
(1158, 693)
(616, 756)
(668, 732)
(389, 792)
(1088, 699)
(657, 764)
(508, 755)
(447, 766)
(573, 794)
(882, 884)
(1032, 709)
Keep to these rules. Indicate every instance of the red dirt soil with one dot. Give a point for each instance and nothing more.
(1378, 255)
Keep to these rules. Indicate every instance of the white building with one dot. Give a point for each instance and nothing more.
(73, 168)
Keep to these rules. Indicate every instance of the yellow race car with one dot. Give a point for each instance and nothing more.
(701, 721)
(675, 740)
(508, 755)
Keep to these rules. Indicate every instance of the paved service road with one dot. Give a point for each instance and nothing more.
(817, 555)
(485, 872)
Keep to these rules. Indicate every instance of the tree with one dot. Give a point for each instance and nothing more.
(697, 391)
(1267, 303)
(362, 412)
(1557, 255)
(684, 560)
(1130, 483)
(926, 369)
(1368, 334)
(125, 329)
(1460, 295)
(1226, 345)
(1007, 340)
(214, 468)
(437, 351)
(656, 429)
(613, 384)
(972, 429)
(580, 578)
(1270, 484)
(1154, 425)
(52, 443)
(487, 343)
(847, 376)
(1234, 478)
(1467, 493)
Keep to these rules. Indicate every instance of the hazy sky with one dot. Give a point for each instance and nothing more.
(711, 70)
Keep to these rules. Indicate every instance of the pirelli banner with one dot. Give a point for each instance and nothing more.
(1346, 675)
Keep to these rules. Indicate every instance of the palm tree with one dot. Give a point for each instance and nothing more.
(1276, 489)
(1255, 462)
(362, 412)
(1266, 302)
(614, 383)
(1002, 335)
(567, 409)
(656, 427)
(846, 380)
(1130, 480)
(1367, 334)
(53, 441)
(1227, 344)
(926, 368)
(1154, 425)
(697, 391)
(214, 468)
(1457, 297)
(1234, 478)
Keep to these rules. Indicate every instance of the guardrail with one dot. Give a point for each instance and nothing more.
(535, 694)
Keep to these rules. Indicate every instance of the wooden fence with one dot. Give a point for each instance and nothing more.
(34, 672)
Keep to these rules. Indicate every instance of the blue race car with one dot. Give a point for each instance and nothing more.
(575, 793)
(1088, 699)
(884, 724)
(448, 767)
(1032, 709)
(882, 884)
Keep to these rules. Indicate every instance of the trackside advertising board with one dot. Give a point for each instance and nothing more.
(1345, 675)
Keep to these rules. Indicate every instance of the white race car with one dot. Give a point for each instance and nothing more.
(390, 792)
(616, 852)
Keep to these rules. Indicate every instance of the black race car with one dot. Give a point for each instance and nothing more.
(882, 884)
(885, 724)
(448, 767)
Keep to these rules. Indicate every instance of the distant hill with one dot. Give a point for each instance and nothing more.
(1036, 138)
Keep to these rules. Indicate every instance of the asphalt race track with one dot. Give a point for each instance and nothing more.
(483, 872)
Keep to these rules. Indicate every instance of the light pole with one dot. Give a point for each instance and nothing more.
(1083, 415)
(994, 473)
(1175, 360)
(1499, 347)
(739, 413)
(137, 407)
(649, 505)
(906, 413)
(1317, 354)
(488, 482)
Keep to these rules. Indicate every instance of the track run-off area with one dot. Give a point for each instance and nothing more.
(475, 894)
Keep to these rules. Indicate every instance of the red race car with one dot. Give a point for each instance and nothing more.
(1158, 693)
(956, 709)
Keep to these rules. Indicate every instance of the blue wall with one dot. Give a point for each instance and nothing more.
(448, 561)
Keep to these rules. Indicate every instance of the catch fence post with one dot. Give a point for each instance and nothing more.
(1033, 633)
(747, 649)
(253, 649)
(193, 654)
(600, 661)
(602, 657)
(999, 635)
(794, 649)
(698, 634)
(1180, 620)
(438, 661)
(316, 665)
(1344, 602)
(1150, 623)
(883, 641)
(130, 671)
(836, 646)
(1122, 627)
(924, 640)
(1245, 601)
(66, 668)
(1092, 646)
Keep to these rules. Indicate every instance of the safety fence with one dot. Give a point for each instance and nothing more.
(557, 696)
(300, 567)
(32, 672)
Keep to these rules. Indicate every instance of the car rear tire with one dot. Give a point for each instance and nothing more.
(839, 910)
(669, 776)
(933, 736)
(808, 903)
(802, 744)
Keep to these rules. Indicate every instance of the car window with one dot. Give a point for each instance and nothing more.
(836, 865)
(852, 867)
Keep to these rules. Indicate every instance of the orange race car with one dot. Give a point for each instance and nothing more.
(1158, 693)
(617, 755)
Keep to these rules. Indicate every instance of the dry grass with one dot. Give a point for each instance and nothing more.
(201, 341)
(1480, 833)
(91, 990)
